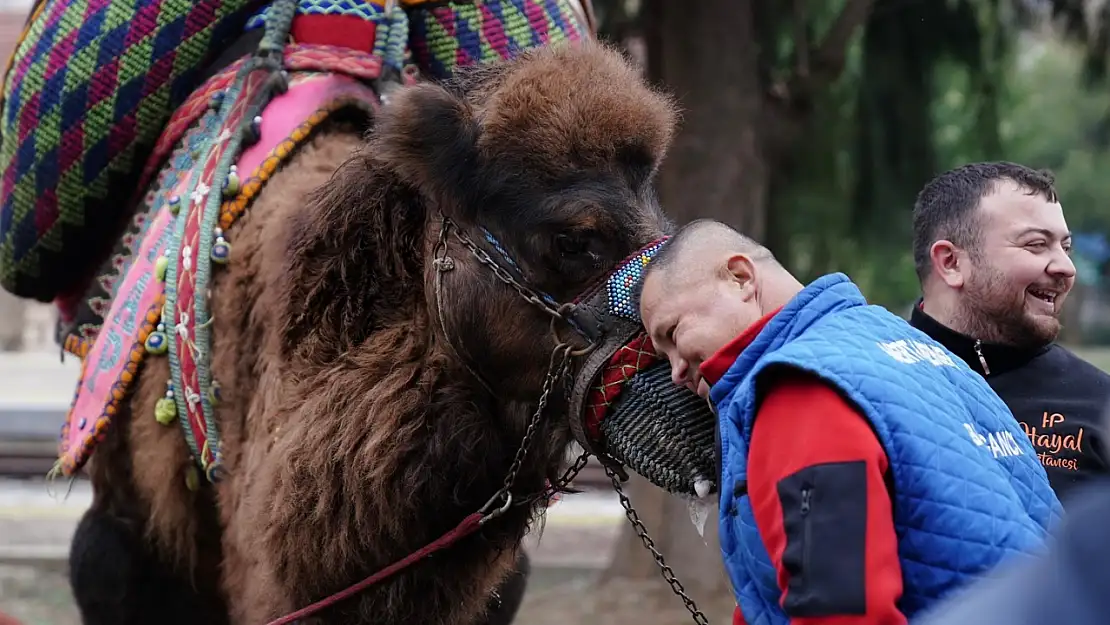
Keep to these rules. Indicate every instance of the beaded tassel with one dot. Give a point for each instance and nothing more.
(232, 185)
(221, 249)
(156, 342)
(192, 476)
(165, 410)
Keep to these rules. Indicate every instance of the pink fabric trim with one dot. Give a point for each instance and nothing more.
(112, 363)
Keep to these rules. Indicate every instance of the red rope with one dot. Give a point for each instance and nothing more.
(468, 526)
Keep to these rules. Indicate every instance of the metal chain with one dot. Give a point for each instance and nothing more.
(649, 544)
(556, 369)
(560, 485)
(506, 277)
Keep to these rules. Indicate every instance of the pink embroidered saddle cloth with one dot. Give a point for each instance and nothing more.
(112, 363)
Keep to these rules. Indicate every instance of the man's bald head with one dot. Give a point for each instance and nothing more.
(694, 247)
(704, 287)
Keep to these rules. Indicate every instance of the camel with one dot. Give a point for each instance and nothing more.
(385, 332)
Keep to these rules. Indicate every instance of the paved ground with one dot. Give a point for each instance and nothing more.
(37, 521)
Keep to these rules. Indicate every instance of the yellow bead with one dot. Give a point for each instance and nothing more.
(156, 343)
(160, 267)
(231, 189)
(165, 411)
(192, 478)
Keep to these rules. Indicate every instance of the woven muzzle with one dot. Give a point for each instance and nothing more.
(626, 408)
(663, 432)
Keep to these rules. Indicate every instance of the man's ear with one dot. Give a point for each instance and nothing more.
(741, 270)
(949, 263)
(429, 137)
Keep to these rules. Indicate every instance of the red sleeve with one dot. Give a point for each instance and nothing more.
(816, 476)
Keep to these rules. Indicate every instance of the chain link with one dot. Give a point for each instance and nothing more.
(556, 369)
(561, 484)
(641, 532)
(506, 277)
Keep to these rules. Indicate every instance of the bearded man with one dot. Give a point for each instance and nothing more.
(991, 247)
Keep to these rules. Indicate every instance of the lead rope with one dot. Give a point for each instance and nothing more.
(497, 505)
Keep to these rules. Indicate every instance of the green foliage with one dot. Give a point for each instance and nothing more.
(929, 85)
(933, 87)
(1055, 119)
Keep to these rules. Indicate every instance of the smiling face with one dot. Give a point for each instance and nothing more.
(1013, 284)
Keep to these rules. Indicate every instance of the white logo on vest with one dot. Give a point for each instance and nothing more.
(913, 352)
(1001, 444)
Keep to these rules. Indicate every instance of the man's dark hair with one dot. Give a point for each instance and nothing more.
(945, 208)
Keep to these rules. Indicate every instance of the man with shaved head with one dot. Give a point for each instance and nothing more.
(866, 472)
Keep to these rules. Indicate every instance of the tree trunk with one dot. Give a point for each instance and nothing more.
(706, 53)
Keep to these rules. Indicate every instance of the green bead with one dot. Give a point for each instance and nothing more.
(160, 267)
(221, 252)
(192, 478)
(232, 186)
(214, 394)
(165, 411)
(214, 472)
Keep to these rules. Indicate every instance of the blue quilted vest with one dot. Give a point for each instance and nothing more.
(968, 488)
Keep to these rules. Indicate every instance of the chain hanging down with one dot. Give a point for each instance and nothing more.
(649, 544)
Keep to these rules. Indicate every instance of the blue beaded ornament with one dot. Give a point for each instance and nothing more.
(156, 342)
(623, 282)
(221, 249)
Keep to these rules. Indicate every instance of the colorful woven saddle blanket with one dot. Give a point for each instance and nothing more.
(92, 84)
(88, 90)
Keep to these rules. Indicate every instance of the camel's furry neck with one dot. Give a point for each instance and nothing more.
(390, 443)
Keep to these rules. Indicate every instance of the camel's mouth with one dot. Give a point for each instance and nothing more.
(638, 417)
(624, 407)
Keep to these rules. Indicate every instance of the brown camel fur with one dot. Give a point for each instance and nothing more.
(356, 421)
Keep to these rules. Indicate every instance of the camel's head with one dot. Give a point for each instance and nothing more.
(543, 168)
(532, 182)
(545, 164)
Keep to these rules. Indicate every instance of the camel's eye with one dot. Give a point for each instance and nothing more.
(572, 244)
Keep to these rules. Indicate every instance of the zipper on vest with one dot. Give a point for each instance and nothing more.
(807, 495)
(982, 358)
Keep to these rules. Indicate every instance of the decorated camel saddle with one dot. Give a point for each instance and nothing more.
(135, 136)
(130, 111)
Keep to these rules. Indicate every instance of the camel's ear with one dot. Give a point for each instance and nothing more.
(429, 137)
